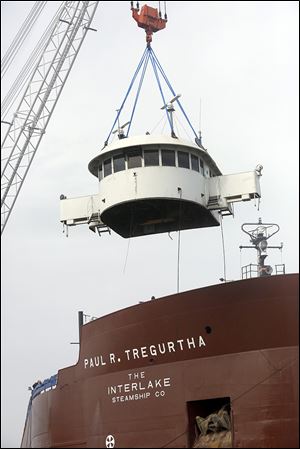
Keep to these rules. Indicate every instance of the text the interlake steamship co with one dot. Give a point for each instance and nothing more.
(138, 388)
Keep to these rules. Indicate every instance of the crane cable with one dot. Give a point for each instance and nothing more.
(21, 36)
(28, 68)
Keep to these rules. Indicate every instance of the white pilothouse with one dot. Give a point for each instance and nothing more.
(156, 183)
(152, 184)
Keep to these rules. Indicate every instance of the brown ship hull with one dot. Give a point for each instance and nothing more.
(144, 373)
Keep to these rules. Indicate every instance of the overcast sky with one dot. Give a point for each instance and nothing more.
(241, 59)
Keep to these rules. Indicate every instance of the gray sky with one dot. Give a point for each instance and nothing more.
(241, 58)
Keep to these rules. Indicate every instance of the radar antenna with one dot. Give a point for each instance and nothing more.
(120, 130)
(258, 237)
(170, 108)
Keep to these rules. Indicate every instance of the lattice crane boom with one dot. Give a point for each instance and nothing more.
(38, 102)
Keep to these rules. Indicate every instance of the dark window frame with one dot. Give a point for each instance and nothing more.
(195, 159)
(149, 163)
(164, 151)
(107, 165)
(201, 166)
(119, 156)
(185, 153)
(132, 153)
(100, 171)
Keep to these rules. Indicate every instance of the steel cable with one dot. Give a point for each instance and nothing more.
(28, 68)
(10, 50)
(21, 36)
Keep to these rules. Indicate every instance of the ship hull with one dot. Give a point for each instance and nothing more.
(144, 373)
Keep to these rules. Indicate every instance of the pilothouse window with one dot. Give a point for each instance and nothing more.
(168, 158)
(107, 167)
(183, 159)
(151, 157)
(134, 158)
(195, 162)
(100, 172)
(119, 163)
(201, 167)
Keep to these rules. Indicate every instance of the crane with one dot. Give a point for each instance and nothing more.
(40, 97)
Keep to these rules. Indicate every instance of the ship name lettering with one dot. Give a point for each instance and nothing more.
(191, 342)
(146, 351)
(180, 344)
(94, 361)
(163, 348)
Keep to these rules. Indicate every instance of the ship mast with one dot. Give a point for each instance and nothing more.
(258, 237)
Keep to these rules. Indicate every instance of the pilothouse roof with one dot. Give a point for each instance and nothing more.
(158, 141)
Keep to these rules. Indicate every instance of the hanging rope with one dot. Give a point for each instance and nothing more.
(178, 261)
(223, 246)
(125, 264)
(130, 227)
(178, 247)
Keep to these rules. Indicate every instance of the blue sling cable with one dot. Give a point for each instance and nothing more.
(149, 54)
(159, 85)
(139, 89)
(173, 92)
(129, 89)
